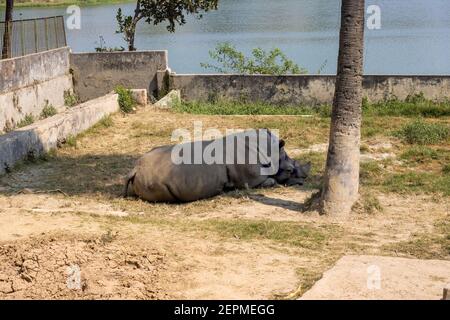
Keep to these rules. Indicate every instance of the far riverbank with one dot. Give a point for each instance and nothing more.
(61, 3)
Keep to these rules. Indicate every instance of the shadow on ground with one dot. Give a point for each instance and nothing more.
(89, 174)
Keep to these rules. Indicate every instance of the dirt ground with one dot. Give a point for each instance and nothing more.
(65, 232)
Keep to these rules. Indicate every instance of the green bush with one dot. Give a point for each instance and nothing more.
(70, 99)
(48, 111)
(421, 132)
(103, 48)
(274, 62)
(126, 102)
(71, 141)
(106, 122)
(26, 121)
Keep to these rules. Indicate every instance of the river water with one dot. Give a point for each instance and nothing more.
(414, 37)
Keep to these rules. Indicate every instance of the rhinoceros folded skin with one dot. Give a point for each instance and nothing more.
(158, 178)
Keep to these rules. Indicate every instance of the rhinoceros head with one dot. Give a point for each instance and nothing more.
(291, 171)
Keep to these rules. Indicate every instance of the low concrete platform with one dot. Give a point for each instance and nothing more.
(44, 135)
(382, 278)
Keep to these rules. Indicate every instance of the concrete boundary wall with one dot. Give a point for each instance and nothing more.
(47, 134)
(298, 89)
(29, 83)
(96, 74)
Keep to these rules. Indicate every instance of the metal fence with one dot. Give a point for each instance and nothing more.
(34, 35)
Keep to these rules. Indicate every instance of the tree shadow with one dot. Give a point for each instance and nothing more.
(78, 175)
(306, 206)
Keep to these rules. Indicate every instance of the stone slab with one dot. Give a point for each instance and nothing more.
(382, 278)
(42, 136)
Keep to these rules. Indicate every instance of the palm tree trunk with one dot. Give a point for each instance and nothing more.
(341, 181)
(6, 50)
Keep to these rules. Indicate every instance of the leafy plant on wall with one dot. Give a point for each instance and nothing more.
(230, 60)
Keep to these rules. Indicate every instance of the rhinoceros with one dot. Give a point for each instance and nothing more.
(176, 173)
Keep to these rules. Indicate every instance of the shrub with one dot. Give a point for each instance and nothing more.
(420, 132)
(126, 102)
(48, 111)
(71, 141)
(70, 99)
(106, 122)
(26, 121)
(274, 62)
(103, 48)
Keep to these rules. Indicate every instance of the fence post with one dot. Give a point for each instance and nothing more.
(35, 37)
(22, 37)
(46, 32)
(56, 32)
(63, 25)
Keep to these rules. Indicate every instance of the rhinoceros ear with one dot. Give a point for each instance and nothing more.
(282, 143)
(307, 168)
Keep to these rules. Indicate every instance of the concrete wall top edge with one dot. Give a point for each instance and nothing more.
(302, 75)
(67, 48)
(121, 52)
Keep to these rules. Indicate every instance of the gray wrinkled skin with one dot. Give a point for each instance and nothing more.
(156, 178)
(291, 171)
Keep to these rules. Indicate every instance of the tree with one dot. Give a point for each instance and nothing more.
(6, 50)
(157, 11)
(274, 62)
(341, 181)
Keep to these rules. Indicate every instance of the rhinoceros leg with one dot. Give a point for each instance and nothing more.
(268, 183)
(127, 191)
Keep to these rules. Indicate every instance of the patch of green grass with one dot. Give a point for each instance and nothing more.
(105, 122)
(421, 132)
(433, 245)
(370, 173)
(48, 111)
(371, 127)
(370, 203)
(419, 154)
(446, 169)
(317, 159)
(413, 106)
(71, 141)
(70, 99)
(364, 148)
(291, 233)
(26, 121)
(126, 101)
(242, 108)
(295, 234)
(417, 182)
